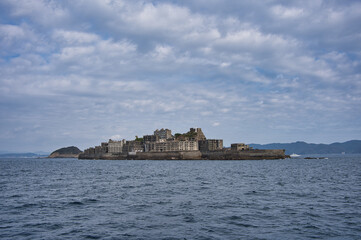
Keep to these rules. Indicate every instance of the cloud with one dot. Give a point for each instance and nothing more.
(283, 12)
(116, 137)
(75, 37)
(45, 13)
(215, 124)
(105, 68)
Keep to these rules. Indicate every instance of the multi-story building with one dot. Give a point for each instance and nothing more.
(200, 135)
(194, 134)
(133, 146)
(115, 146)
(239, 147)
(172, 145)
(89, 151)
(150, 138)
(210, 145)
(163, 133)
(100, 149)
(161, 141)
(188, 145)
(104, 147)
(156, 147)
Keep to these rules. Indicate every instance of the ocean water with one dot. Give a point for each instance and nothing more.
(268, 199)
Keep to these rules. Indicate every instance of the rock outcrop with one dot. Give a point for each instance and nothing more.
(67, 152)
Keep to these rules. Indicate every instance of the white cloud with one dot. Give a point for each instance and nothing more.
(225, 64)
(164, 18)
(116, 137)
(10, 32)
(75, 37)
(161, 52)
(283, 12)
(140, 65)
(215, 124)
(75, 52)
(20, 39)
(43, 12)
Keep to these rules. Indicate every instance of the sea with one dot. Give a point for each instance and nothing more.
(256, 199)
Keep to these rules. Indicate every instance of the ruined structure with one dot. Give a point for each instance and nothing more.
(163, 133)
(162, 145)
(239, 147)
(171, 146)
(210, 145)
(115, 146)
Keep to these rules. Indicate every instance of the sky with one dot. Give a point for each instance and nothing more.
(81, 72)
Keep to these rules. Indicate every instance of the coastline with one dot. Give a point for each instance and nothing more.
(252, 154)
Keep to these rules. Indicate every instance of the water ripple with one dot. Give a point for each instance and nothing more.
(281, 199)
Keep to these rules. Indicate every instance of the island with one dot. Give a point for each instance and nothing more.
(66, 152)
(162, 145)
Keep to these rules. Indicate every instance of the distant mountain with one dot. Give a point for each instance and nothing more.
(22, 155)
(353, 146)
(67, 152)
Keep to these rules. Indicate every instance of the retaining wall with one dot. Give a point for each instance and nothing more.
(255, 154)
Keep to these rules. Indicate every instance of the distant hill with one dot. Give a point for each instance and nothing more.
(22, 155)
(353, 146)
(67, 152)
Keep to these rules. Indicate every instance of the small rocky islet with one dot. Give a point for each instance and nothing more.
(66, 152)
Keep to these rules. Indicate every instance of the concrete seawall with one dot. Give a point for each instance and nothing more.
(181, 155)
(186, 155)
(256, 154)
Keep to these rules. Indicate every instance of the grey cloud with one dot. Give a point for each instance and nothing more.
(99, 69)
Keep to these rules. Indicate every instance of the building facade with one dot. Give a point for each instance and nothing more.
(239, 147)
(163, 133)
(200, 134)
(150, 138)
(172, 146)
(210, 145)
(162, 141)
(133, 146)
(115, 146)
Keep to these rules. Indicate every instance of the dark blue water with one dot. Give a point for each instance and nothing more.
(274, 199)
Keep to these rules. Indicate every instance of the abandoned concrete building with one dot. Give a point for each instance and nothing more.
(161, 141)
